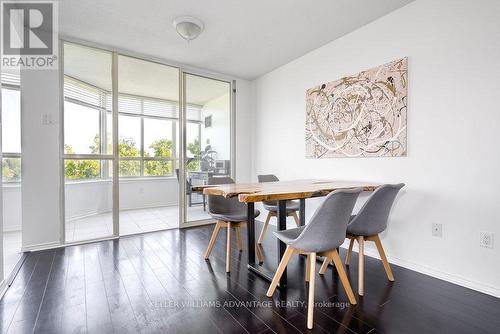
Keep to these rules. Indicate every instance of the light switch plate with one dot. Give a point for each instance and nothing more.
(437, 230)
(486, 239)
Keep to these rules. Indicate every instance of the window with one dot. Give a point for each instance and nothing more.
(147, 136)
(87, 121)
(147, 126)
(81, 129)
(158, 147)
(193, 132)
(11, 128)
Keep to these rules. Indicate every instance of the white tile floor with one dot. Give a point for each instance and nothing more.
(12, 251)
(131, 222)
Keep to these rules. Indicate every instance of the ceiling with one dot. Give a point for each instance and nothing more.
(245, 39)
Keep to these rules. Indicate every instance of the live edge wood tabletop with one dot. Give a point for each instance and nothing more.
(279, 191)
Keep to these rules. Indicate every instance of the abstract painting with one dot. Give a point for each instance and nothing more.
(362, 115)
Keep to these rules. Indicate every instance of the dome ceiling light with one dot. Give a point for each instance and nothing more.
(188, 27)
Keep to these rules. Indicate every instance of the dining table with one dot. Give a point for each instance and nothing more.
(279, 191)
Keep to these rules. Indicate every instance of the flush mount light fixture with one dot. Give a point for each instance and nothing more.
(188, 27)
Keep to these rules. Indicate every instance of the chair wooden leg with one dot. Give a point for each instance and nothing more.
(228, 248)
(308, 267)
(343, 277)
(349, 251)
(324, 266)
(211, 244)
(295, 217)
(283, 263)
(264, 228)
(258, 253)
(238, 238)
(361, 266)
(310, 304)
(381, 252)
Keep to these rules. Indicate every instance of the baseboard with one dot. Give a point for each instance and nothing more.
(455, 279)
(3, 288)
(15, 228)
(141, 207)
(151, 206)
(42, 246)
(86, 215)
(436, 273)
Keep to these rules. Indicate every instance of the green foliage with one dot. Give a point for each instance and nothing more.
(80, 169)
(90, 169)
(157, 168)
(11, 169)
(126, 148)
(195, 149)
(161, 148)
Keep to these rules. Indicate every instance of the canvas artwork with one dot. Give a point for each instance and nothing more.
(363, 115)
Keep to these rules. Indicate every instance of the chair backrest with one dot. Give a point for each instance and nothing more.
(219, 204)
(327, 227)
(268, 178)
(372, 217)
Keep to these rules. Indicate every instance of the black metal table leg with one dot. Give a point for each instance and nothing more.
(302, 211)
(251, 233)
(281, 245)
(252, 265)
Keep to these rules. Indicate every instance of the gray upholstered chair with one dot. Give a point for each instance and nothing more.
(366, 226)
(325, 232)
(272, 206)
(231, 214)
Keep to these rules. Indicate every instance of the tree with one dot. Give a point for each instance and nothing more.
(161, 148)
(11, 169)
(88, 169)
(126, 148)
(80, 169)
(195, 149)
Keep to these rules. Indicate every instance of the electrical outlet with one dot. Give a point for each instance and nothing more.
(486, 239)
(437, 230)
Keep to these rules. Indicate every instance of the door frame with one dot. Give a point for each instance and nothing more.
(183, 223)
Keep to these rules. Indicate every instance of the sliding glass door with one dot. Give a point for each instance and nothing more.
(10, 149)
(126, 169)
(208, 145)
(88, 158)
(148, 116)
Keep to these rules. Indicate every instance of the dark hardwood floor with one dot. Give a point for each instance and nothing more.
(160, 283)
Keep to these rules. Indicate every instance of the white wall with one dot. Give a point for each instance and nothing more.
(12, 213)
(453, 162)
(40, 162)
(88, 198)
(147, 193)
(245, 113)
(84, 199)
(219, 133)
